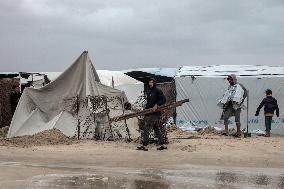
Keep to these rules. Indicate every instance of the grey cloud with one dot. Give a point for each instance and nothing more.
(47, 35)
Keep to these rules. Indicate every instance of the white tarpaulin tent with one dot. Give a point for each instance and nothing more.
(76, 103)
(204, 86)
(131, 87)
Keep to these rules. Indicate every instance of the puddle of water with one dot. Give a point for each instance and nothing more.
(127, 178)
(144, 184)
(152, 174)
(95, 182)
(281, 182)
(226, 177)
(146, 180)
(262, 180)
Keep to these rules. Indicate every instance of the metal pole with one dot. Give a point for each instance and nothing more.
(247, 134)
(247, 110)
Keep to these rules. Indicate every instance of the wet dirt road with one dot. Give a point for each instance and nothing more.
(209, 162)
(22, 175)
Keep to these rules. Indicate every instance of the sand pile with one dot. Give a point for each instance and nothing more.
(212, 130)
(208, 130)
(173, 129)
(49, 137)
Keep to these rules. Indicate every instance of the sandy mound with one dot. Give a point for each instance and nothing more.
(176, 130)
(177, 133)
(49, 137)
(208, 130)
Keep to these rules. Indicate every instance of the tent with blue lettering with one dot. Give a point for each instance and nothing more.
(205, 85)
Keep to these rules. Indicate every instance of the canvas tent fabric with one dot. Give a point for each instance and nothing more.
(105, 77)
(76, 103)
(130, 86)
(204, 93)
(118, 77)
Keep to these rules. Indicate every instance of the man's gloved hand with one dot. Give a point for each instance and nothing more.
(155, 108)
(277, 115)
(256, 114)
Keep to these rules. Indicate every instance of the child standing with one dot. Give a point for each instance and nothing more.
(270, 105)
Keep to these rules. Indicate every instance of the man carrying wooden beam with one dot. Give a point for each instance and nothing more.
(155, 98)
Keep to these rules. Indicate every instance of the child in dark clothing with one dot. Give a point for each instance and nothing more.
(270, 105)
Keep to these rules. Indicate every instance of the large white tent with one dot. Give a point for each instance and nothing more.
(116, 79)
(76, 103)
(205, 85)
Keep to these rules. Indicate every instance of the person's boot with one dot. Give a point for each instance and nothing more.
(144, 148)
(267, 134)
(162, 147)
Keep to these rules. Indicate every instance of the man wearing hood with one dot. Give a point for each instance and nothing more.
(155, 98)
(231, 103)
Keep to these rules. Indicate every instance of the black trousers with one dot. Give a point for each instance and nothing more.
(152, 122)
(268, 120)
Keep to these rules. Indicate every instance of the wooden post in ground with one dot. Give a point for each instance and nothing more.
(78, 123)
(108, 116)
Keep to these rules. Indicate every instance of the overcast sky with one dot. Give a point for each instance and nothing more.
(48, 35)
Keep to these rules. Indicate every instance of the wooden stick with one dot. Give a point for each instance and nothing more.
(149, 111)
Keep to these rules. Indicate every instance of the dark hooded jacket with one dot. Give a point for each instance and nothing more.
(270, 105)
(155, 96)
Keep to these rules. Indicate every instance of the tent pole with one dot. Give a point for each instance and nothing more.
(125, 122)
(247, 110)
(112, 82)
(247, 134)
(107, 110)
(77, 108)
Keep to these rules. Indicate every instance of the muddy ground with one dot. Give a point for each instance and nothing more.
(191, 161)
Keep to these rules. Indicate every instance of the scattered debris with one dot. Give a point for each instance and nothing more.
(259, 132)
(189, 148)
(215, 131)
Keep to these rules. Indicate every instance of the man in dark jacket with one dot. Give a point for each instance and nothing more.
(155, 98)
(270, 105)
